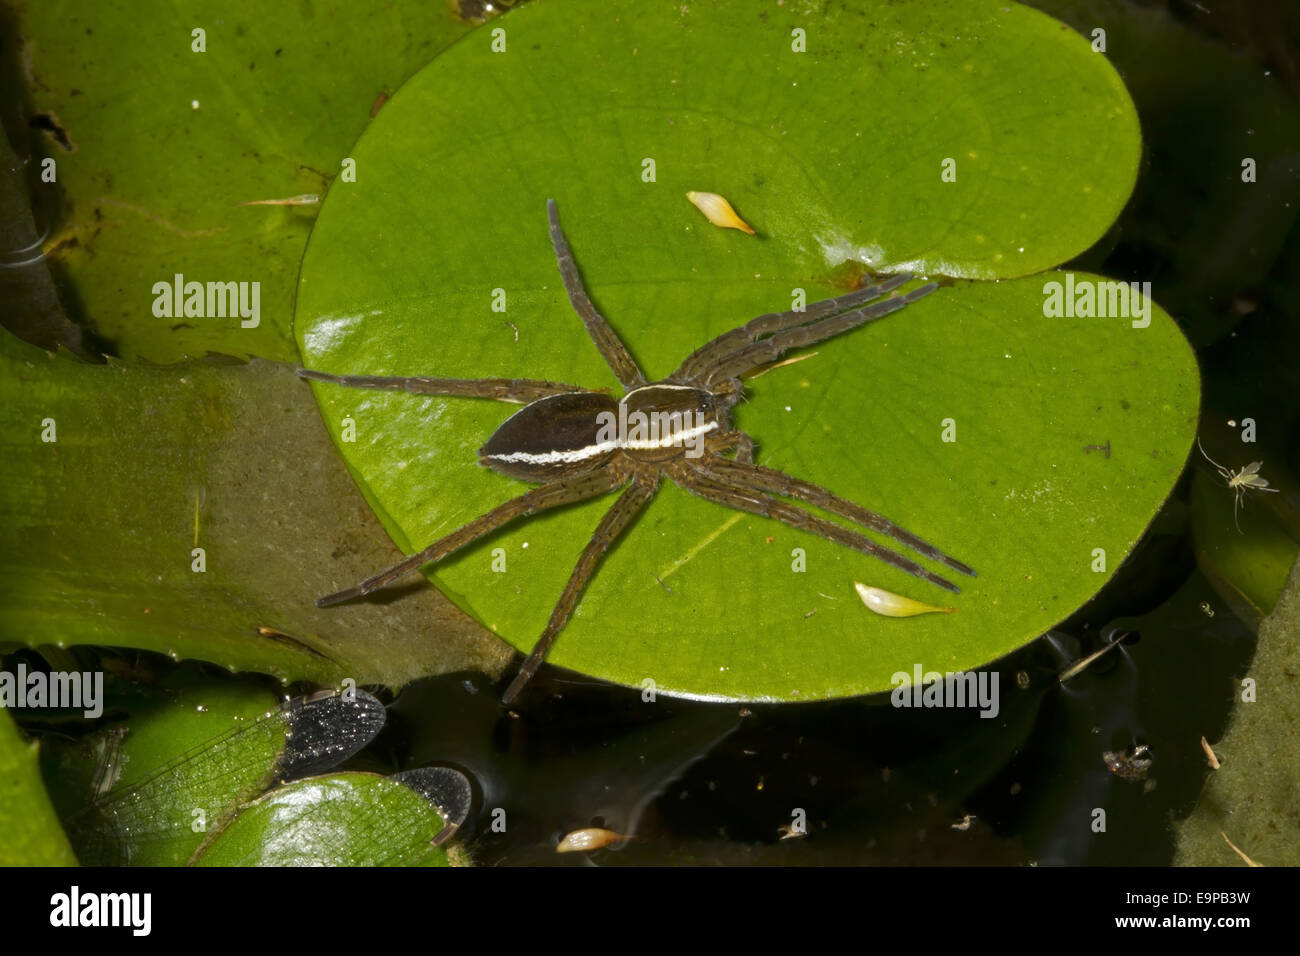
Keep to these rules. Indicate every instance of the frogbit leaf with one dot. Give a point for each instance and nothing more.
(344, 819)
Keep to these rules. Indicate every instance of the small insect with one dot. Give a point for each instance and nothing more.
(1246, 479)
(562, 441)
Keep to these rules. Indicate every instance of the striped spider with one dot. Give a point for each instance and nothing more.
(575, 444)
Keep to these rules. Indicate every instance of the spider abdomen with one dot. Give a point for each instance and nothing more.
(553, 437)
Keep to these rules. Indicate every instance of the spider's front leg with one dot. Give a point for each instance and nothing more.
(770, 349)
(607, 342)
(517, 390)
(699, 362)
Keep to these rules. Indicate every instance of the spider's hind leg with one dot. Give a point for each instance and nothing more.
(760, 478)
(698, 480)
(615, 521)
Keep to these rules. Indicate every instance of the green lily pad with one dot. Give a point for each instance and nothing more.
(400, 274)
(347, 819)
(157, 145)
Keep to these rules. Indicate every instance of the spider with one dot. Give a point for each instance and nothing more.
(562, 440)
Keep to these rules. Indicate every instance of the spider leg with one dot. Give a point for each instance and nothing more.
(555, 494)
(607, 342)
(744, 449)
(517, 390)
(697, 481)
(616, 519)
(740, 361)
(740, 441)
(726, 343)
(760, 478)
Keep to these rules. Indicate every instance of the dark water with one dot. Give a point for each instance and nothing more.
(716, 783)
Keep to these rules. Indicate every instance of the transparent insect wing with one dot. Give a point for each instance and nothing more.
(139, 822)
(150, 821)
(1252, 468)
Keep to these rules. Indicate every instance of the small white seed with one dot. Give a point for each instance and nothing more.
(718, 211)
(895, 605)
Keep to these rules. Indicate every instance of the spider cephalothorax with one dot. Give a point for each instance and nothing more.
(578, 443)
